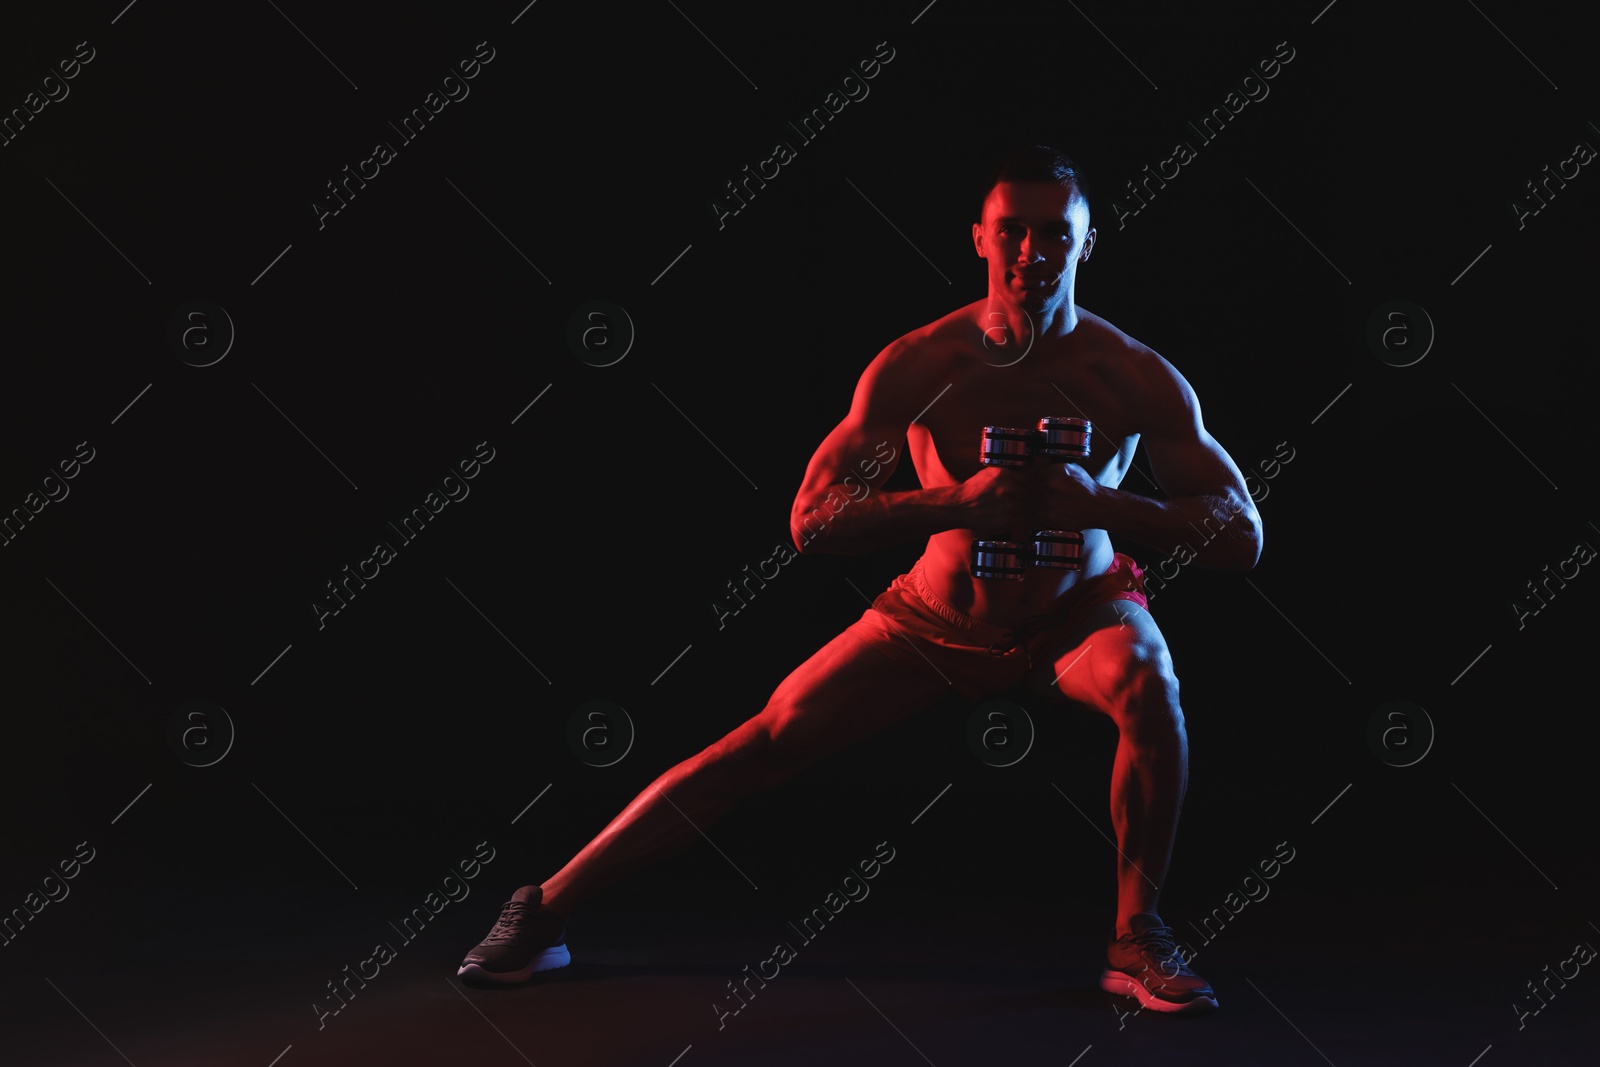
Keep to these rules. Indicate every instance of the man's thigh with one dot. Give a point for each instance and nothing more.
(844, 693)
(1115, 647)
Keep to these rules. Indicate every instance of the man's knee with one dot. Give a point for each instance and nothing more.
(750, 759)
(1142, 688)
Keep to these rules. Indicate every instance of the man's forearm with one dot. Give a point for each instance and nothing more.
(1228, 524)
(844, 526)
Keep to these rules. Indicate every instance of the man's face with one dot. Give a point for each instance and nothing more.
(1034, 235)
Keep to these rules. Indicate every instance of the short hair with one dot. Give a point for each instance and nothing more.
(1037, 163)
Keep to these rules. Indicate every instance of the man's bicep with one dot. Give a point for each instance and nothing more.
(1193, 464)
(857, 456)
(1185, 458)
(862, 451)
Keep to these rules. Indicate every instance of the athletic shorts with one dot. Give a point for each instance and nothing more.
(909, 624)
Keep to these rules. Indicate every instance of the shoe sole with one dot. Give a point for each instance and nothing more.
(1117, 982)
(548, 960)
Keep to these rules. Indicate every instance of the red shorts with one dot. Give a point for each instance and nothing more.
(909, 624)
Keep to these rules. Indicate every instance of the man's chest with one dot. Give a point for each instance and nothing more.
(946, 441)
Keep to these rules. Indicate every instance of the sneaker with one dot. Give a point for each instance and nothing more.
(1146, 964)
(526, 939)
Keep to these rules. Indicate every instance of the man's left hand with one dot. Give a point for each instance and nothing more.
(1071, 498)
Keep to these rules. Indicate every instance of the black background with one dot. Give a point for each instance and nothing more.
(407, 329)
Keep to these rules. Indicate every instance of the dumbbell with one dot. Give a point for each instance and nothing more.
(1056, 439)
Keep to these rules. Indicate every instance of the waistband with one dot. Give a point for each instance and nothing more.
(998, 640)
(982, 633)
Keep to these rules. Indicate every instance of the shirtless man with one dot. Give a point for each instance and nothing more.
(1083, 637)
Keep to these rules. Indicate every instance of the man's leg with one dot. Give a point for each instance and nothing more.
(1116, 662)
(843, 694)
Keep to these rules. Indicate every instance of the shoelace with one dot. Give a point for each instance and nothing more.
(510, 921)
(1160, 942)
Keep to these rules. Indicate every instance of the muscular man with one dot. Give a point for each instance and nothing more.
(1025, 350)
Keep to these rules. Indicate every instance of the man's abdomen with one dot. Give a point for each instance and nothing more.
(947, 564)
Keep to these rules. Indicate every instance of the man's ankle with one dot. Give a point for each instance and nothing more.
(1124, 925)
(556, 905)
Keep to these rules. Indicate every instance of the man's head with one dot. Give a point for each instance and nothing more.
(1034, 228)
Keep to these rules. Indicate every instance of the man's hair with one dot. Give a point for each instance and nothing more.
(1037, 163)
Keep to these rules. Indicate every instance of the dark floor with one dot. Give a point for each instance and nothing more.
(886, 983)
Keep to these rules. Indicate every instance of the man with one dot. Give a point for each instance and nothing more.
(1024, 351)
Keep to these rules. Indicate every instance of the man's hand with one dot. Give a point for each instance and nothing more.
(1003, 500)
(1023, 500)
(1067, 498)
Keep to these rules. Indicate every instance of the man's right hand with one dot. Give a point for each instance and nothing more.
(1002, 500)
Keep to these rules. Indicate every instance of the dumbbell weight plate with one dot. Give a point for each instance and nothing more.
(1003, 560)
(1060, 550)
(1007, 446)
(1064, 439)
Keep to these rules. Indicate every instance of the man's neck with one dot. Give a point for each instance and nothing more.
(1053, 320)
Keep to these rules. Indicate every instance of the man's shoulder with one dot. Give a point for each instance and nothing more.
(1111, 340)
(1132, 356)
(957, 328)
(1166, 399)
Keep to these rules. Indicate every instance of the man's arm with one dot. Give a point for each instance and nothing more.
(1205, 490)
(841, 507)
